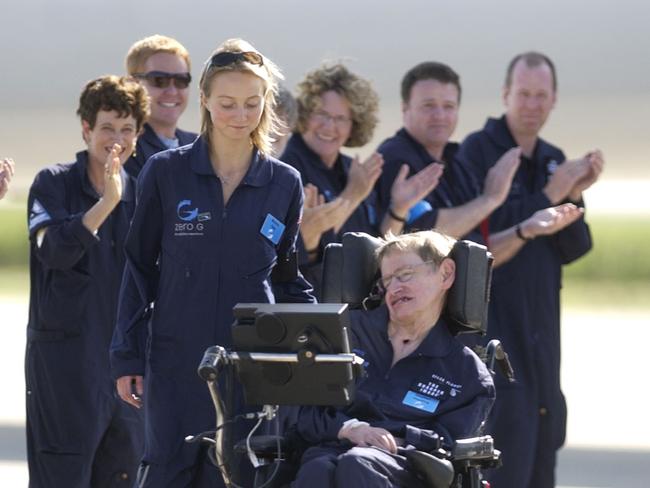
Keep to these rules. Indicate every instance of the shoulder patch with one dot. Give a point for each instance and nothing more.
(37, 215)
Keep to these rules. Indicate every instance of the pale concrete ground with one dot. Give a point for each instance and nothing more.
(603, 374)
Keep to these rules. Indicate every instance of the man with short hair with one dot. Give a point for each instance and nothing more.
(163, 66)
(430, 101)
(528, 420)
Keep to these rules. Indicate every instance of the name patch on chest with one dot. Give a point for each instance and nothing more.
(272, 229)
(421, 402)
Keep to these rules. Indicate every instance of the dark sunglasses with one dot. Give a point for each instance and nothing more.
(162, 79)
(227, 58)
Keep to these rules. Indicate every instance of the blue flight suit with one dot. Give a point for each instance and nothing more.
(330, 183)
(529, 417)
(191, 259)
(149, 144)
(441, 389)
(79, 433)
(456, 187)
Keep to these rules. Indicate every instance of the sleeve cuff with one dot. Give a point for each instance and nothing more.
(126, 367)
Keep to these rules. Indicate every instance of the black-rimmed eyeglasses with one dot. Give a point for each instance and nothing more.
(162, 79)
(227, 58)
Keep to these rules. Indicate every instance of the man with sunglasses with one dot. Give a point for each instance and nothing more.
(162, 65)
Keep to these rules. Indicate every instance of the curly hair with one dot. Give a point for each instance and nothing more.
(269, 73)
(363, 100)
(120, 93)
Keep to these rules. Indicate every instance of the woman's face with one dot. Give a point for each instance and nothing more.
(109, 129)
(415, 291)
(329, 126)
(236, 103)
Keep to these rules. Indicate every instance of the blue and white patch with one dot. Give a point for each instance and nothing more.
(418, 210)
(272, 229)
(421, 402)
(185, 212)
(37, 215)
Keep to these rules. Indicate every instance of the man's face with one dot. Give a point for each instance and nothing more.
(431, 114)
(529, 99)
(168, 103)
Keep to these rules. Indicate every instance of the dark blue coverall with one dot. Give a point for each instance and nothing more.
(149, 144)
(529, 417)
(330, 183)
(191, 259)
(456, 187)
(79, 433)
(441, 389)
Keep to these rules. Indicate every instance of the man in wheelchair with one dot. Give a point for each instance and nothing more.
(421, 386)
(422, 389)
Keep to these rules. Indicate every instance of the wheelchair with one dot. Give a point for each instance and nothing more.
(350, 272)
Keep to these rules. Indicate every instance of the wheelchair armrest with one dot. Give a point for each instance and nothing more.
(475, 452)
(437, 472)
(474, 448)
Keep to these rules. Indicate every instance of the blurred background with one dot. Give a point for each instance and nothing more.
(602, 54)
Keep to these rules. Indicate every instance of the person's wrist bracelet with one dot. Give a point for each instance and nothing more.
(521, 235)
(395, 216)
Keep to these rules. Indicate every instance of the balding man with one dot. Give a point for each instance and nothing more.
(529, 418)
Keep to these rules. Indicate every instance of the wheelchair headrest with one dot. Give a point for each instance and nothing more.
(350, 271)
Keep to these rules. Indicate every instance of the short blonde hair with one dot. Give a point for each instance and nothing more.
(363, 100)
(432, 246)
(268, 72)
(143, 49)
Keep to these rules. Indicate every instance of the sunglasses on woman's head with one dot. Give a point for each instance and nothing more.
(227, 58)
(162, 79)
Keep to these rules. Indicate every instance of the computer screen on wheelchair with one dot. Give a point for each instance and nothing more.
(301, 351)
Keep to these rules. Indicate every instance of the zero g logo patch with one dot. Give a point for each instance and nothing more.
(184, 213)
(192, 221)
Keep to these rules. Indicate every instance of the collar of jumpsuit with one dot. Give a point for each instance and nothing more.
(259, 173)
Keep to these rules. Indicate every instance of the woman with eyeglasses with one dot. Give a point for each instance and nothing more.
(338, 108)
(216, 224)
(162, 65)
(420, 384)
